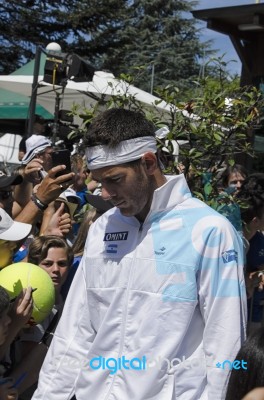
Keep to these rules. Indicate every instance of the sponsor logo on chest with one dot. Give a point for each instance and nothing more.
(113, 236)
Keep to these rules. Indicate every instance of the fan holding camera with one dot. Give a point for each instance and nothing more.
(46, 174)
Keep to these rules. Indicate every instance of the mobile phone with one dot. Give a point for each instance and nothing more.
(62, 157)
(42, 174)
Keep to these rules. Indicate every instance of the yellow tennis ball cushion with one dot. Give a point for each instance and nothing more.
(16, 277)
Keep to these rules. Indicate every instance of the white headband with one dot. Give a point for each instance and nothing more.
(127, 151)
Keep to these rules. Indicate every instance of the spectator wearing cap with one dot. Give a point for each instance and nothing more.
(6, 190)
(11, 233)
(71, 201)
(38, 129)
(35, 164)
(40, 147)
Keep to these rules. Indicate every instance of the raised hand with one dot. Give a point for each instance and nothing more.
(59, 224)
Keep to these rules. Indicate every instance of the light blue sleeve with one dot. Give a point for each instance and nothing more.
(222, 298)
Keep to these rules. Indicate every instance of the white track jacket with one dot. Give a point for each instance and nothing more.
(156, 311)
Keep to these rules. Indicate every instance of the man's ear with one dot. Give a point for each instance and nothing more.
(149, 160)
(256, 223)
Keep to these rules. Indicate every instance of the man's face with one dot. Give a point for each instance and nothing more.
(56, 264)
(6, 199)
(235, 180)
(129, 189)
(45, 156)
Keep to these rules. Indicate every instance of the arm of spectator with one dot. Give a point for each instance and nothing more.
(56, 223)
(16, 209)
(255, 394)
(33, 354)
(30, 366)
(23, 191)
(20, 313)
(47, 215)
(49, 189)
(21, 194)
(7, 391)
(254, 280)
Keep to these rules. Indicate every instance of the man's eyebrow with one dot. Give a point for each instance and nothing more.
(107, 177)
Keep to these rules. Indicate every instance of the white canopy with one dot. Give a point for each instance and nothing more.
(84, 94)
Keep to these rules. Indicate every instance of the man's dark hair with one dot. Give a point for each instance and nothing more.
(117, 124)
(234, 169)
(251, 195)
(4, 300)
(39, 248)
(39, 119)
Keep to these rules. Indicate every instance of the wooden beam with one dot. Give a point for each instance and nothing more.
(242, 53)
(228, 29)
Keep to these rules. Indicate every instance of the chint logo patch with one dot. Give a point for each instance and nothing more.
(114, 236)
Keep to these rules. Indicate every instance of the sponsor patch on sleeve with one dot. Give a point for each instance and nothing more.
(229, 255)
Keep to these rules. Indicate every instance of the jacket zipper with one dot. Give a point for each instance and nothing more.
(125, 314)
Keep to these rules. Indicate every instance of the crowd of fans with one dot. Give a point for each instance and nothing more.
(44, 220)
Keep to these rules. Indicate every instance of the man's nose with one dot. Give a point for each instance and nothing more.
(107, 194)
(55, 267)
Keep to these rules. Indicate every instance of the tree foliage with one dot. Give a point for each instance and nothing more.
(217, 123)
(162, 38)
(158, 37)
(74, 24)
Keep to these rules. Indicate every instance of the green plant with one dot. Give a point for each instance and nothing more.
(216, 124)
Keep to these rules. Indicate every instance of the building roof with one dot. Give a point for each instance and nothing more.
(239, 21)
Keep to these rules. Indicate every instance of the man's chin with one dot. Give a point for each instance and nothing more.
(126, 212)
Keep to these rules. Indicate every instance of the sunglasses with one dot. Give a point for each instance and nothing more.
(5, 195)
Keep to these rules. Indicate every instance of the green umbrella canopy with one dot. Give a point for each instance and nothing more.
(16, 106)
(28, 69)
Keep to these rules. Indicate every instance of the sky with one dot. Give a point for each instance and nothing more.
(220, 41)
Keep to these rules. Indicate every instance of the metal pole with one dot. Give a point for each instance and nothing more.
(33, 99)
(55, 128)
(152, 78)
